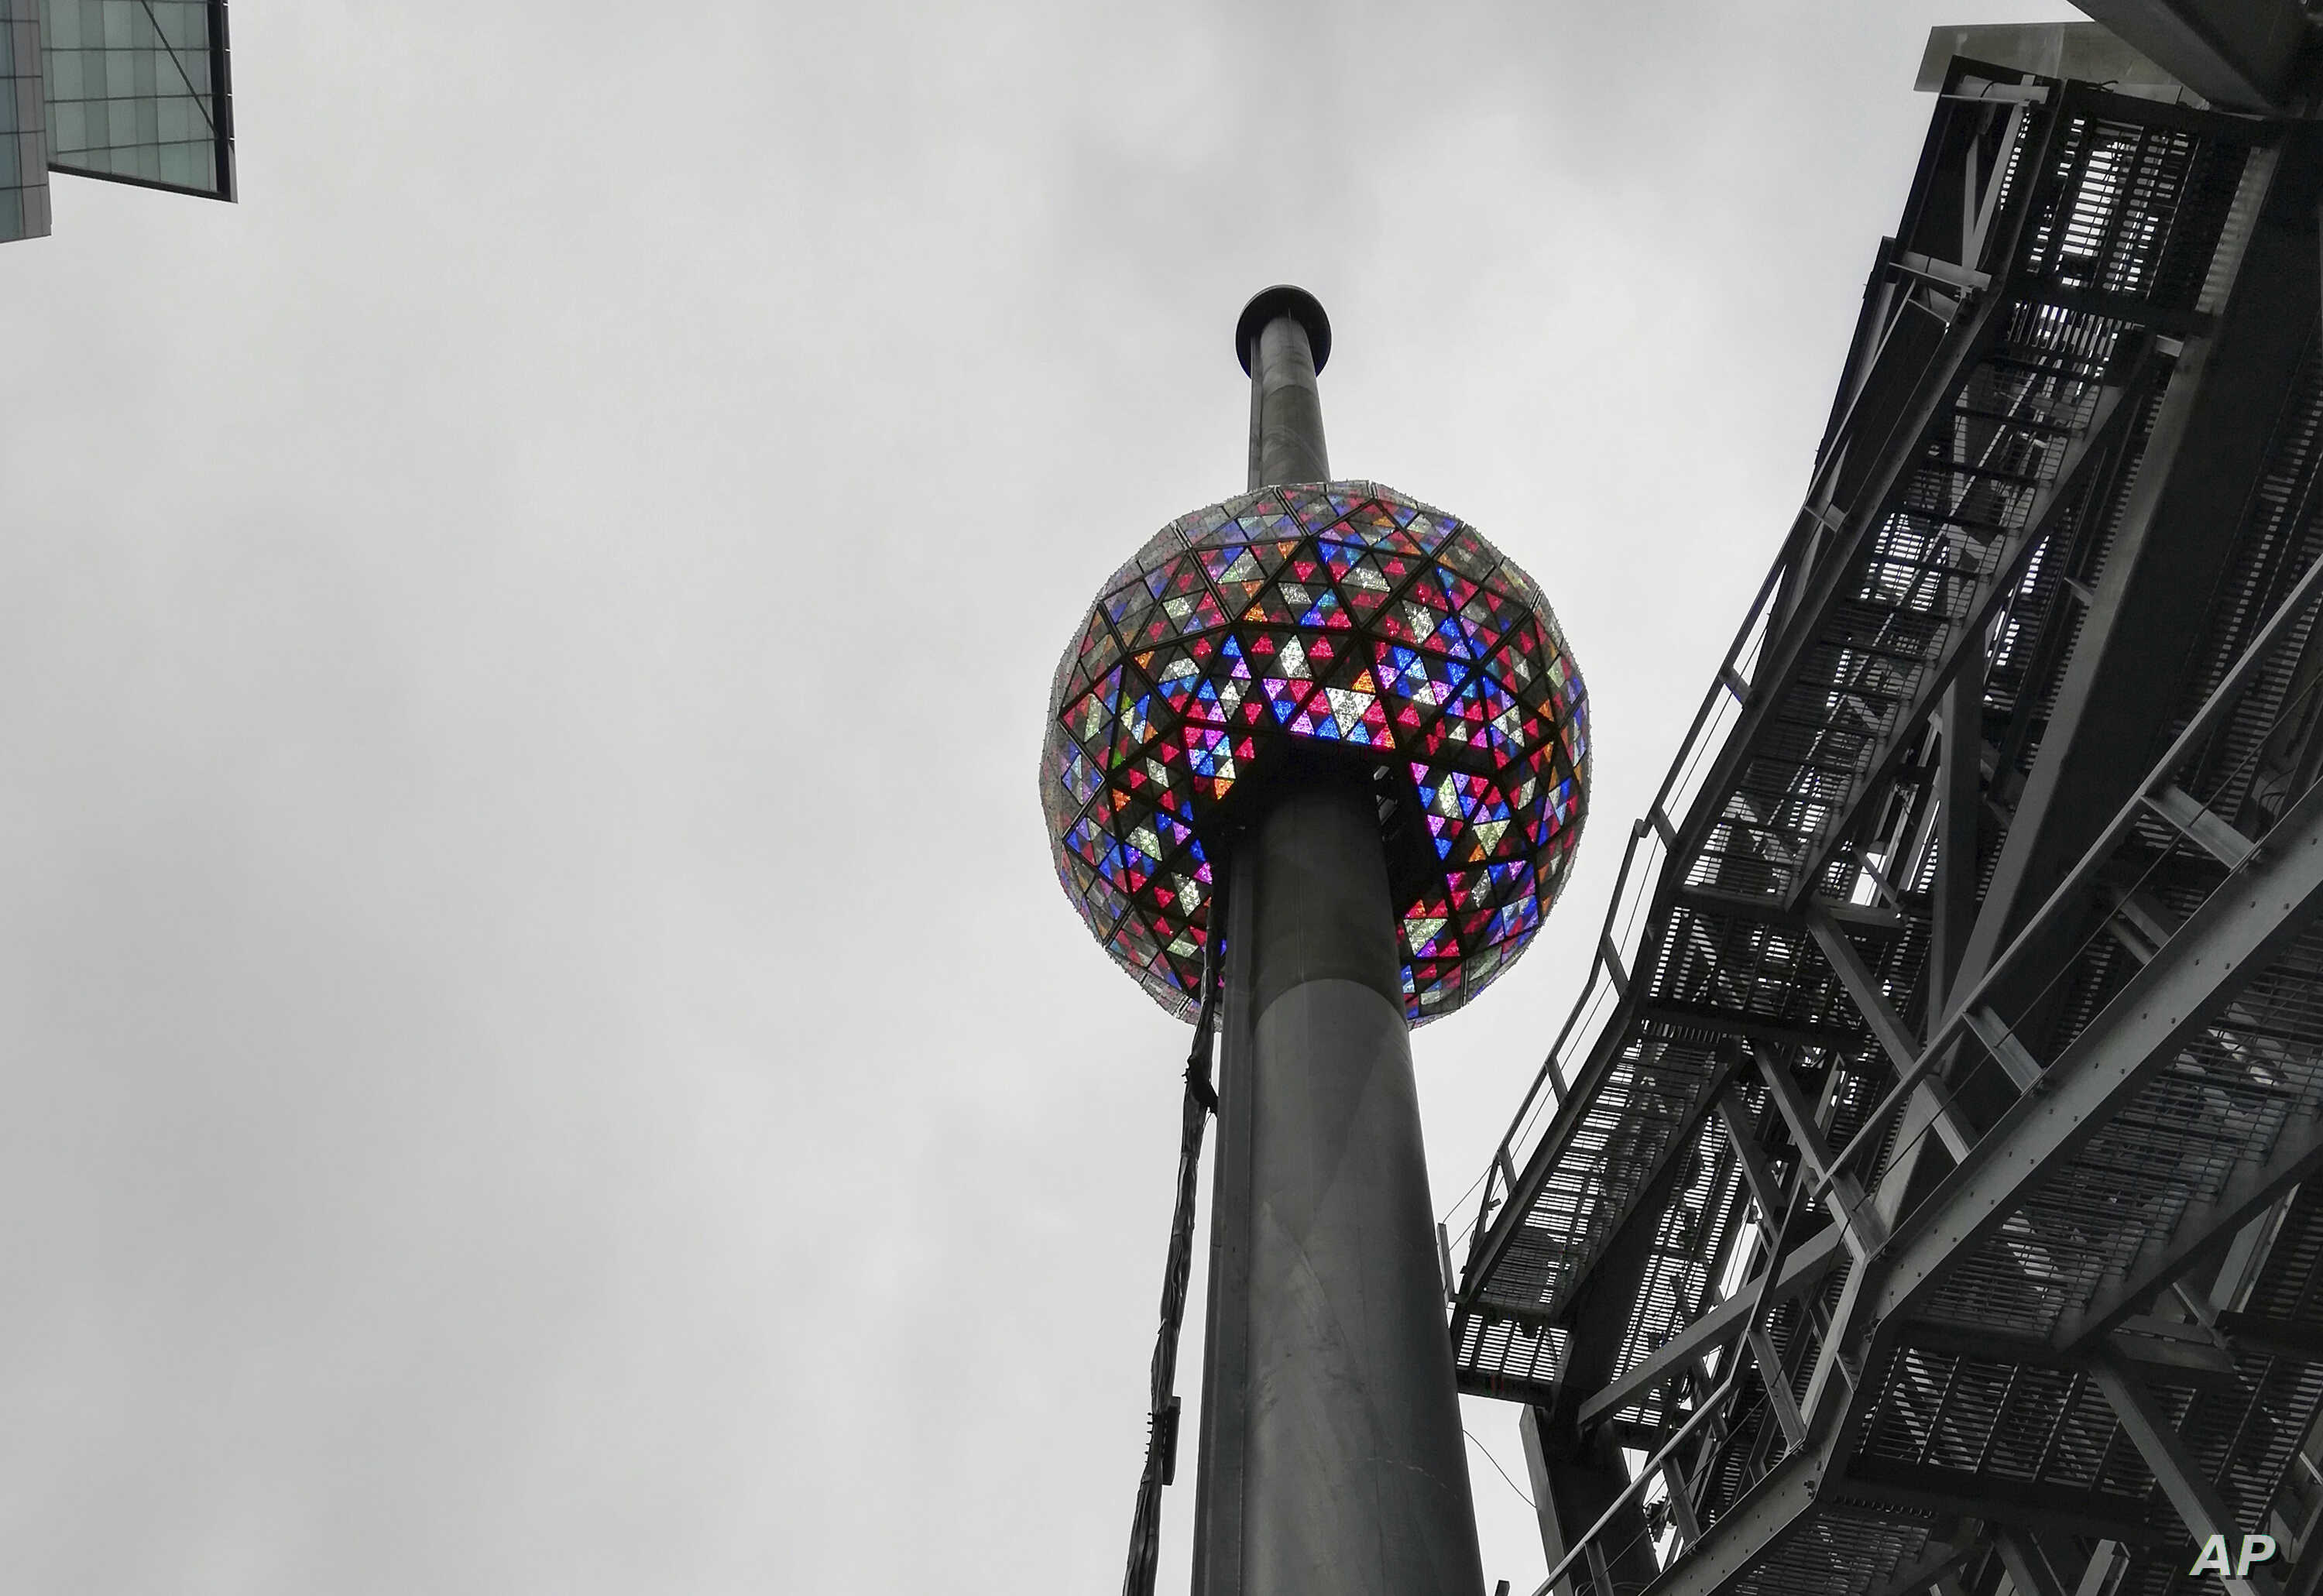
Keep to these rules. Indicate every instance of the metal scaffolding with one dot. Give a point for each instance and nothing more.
(1918, 1197)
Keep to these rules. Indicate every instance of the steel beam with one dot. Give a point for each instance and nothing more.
(2028, 1569)
(2199, 1507)
(1554, 1541)
(1844, 1200)
(1747, 1533)
(2098, 1573)
(2221, 948)
(1737, 905)
(1886, 1027)
(1798, 1118)
(2201, 1233)
(1895, 1039)
(1921, 1487)
(1675, 1493)
(1751, 1028)
(2200, 826)
(2248, 54)
(2257, 1335)
(2305, 1577)
(1572, 1486)
(1751, 1161)
(1776, 1376)
(2193, 1359)
(1919, 1575)
(1959, 787)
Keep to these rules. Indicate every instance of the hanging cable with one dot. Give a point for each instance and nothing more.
(1162, 1424)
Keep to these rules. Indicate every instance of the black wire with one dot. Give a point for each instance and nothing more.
(1162, 1422)
(1503, 1472)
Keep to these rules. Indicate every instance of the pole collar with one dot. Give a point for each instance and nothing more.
(1282, 299)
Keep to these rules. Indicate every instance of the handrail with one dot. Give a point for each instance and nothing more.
(1638, 831)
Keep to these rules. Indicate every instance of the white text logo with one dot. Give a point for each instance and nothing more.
(2256, 1548)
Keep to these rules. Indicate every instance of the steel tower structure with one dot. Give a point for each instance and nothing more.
(1923, 1195)
(1315, 768)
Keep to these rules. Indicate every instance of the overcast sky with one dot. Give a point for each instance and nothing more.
(541, 1048)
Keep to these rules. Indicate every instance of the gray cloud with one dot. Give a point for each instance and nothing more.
(542, 1051)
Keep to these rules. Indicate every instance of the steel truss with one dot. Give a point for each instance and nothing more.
(1919, 1197)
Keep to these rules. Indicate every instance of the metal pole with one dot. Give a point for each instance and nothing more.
(1349, 1477)
(1356, 1478)
(1283, 340)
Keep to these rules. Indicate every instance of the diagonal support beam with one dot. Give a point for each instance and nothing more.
(1778, 1381)
(2201, 1233)
(2097, 1576)
(1844, 1197)
(2023, 1070)
(1916, 1577)
(2191, 1492)
(1895, 1039)
(1804, 1268)
(1887, 1027)
(1751, 1161)
(1960, 817)
(2028, 1569)
(1768, 1514)
(2205, 828)
(1921, 1573)
(1681, 1503)
(1571, 1487)
(2220, 950)
(2306, 1575)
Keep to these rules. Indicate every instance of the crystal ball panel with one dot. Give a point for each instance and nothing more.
(1333, 613)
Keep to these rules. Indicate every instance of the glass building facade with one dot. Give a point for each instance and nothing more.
(136, 90)
(23, 125)
(132, 91)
